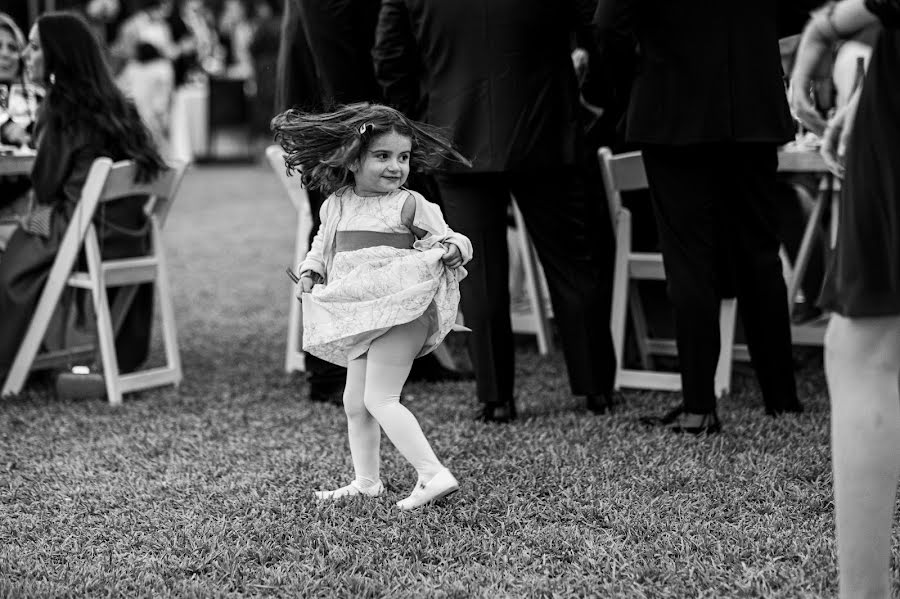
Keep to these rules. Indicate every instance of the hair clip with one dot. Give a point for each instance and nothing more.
(365, 127)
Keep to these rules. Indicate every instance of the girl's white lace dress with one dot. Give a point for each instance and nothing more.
(372, 289)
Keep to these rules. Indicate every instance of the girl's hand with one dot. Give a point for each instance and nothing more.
(307, 281)
(837, 133)
(452, 257)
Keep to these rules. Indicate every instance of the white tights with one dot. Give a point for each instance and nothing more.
(372, 398)
(862, 365)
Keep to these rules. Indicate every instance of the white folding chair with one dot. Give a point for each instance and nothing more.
(108, 182)
(625, 172)
(537, 320)
(295, 358)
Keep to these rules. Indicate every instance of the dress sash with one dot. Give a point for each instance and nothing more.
(348, 241)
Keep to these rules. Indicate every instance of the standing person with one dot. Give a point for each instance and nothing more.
(500, 74)
(83, 117)
(325, 58)
(862, 289)
(340, 34)
(708, 111)
(380, 284)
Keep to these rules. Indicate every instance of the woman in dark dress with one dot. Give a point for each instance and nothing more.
(83, 117)
(861, 143)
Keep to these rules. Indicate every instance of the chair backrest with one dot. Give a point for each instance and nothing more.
(120, 183)
(621, 172)
(108, 181)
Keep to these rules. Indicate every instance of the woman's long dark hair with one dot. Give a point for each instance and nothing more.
(82, 94)
(322, 146)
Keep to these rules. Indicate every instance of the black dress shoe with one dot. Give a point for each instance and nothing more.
(708, 424)
(599, 403)
(667, 418)
(499, 413)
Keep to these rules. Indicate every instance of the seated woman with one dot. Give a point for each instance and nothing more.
(18, 106)
(84, 116)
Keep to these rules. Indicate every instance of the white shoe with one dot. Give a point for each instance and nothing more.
(351, 490)
(440, 486)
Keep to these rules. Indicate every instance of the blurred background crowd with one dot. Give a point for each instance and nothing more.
(166, 55)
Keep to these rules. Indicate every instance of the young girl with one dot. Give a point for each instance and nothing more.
(380, 284)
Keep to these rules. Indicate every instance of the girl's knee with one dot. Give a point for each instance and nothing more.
(376, 401)
(873, 342)
(354, 405)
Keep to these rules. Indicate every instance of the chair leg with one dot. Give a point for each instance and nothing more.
(105, 334)
(619, 309)
(533, 285)
(294, 358)
(166, 309)
(727, 318)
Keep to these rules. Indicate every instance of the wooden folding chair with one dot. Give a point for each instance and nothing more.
(537, 320)
(108, 182)
(625, 172)
(294, 358)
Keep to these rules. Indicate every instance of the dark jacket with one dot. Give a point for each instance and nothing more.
(296, 83)
(498, 75)
(708, 70)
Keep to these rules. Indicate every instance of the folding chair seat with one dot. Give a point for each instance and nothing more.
(108, 182)
(622, 173)
(294, 358)
(537, 320)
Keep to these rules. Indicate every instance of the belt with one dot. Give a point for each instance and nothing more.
(348, 241)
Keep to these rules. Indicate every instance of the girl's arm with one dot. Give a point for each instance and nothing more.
(314, 263)
(427, 223)
(834, 21)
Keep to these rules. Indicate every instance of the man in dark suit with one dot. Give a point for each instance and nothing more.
(499, 76)
(325, 59)
(708, 111)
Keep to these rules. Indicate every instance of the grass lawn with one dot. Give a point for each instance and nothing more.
(205, 491)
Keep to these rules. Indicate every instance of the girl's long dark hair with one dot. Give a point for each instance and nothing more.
(82, 94)
(322, 146)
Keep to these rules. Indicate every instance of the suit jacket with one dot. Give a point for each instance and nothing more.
(708, 70)
(498, 75)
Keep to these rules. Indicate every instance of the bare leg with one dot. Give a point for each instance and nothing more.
(862, 364)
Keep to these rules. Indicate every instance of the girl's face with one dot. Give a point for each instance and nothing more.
(9, 56)
(34, 57)
(385, 165)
